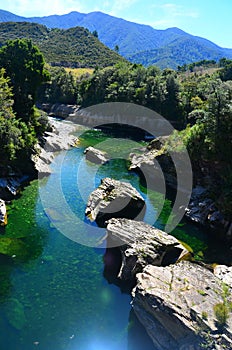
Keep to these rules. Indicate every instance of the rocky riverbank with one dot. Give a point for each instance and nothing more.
(11, 181)
(60, 138)
(201, 209)
(182, 304)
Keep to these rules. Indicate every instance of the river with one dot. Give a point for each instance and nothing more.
(55, 292)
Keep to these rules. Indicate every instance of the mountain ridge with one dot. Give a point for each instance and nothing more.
(73, 47)
(135, 41)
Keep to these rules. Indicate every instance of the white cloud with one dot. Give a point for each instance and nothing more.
(37, 8)
(119, 5)
(172, 15)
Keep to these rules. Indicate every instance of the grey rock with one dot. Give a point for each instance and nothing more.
(224, 273)
(3, 214)
(96, 156)
(113, 199)
(155, 166)
(203, 211)
(141, 244)
(176, 306)
(9, 186)
(60, 110)
(60, 139)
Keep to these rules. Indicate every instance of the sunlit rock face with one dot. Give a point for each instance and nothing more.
(114, 199)
(95, 155)
(176, 304)
(142, 244)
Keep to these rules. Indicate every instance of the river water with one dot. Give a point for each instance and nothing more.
(55, 293)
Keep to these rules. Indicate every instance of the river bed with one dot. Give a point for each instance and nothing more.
(55, 294)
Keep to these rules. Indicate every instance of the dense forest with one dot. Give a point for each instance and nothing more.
(196, 99)
(22, 70)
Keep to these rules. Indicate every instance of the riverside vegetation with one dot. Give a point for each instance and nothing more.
(196, 99)
(197, 103)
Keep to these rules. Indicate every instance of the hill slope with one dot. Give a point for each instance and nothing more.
(180, 51)
(72, 47)
(140, 43)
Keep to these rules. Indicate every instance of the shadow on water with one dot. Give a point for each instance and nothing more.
(112, 264)
(137, 337)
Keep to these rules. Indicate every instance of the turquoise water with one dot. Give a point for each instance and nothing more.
(54, 295)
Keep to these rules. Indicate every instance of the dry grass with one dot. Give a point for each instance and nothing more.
(78, 72)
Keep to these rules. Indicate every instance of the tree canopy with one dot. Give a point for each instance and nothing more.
(24, 65)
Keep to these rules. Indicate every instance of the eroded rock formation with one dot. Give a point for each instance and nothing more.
(114, 199)
(176, 306)
(96, 156)
(141, 244)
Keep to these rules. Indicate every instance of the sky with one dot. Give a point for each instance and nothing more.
(210, 19)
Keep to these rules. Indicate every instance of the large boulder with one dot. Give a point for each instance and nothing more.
(114, 199)
(3, 214)
(95, 155)
(176, 304)
(141, 244)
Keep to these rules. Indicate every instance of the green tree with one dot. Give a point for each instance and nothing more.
(116, 48)
(24, 65)
(10, 134)
(95, 33)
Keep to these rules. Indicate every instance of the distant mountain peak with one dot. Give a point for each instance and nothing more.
(138, 42)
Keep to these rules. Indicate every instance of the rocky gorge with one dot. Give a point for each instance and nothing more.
(201, 209)
(173, 297)
(181, 303)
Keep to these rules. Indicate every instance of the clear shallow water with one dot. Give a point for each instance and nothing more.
(54, 295)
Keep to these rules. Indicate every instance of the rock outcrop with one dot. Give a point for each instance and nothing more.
(3, 214)
(176, 306)
(141, 244)
(156, 164)
(60, 110)
(203, 211)
(95, 155)
(9, 186)
(61, 138)
(114, 199)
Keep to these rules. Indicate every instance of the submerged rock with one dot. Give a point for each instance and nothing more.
(15, 313)
(176, 306)
(141, 244)
(114, 199)
(3, 214)
(96, 156)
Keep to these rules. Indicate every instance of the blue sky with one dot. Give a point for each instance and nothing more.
(210, 19)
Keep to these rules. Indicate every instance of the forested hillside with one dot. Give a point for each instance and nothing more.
(75, 47)
(140, 43)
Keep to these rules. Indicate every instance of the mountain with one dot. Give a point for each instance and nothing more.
(180, 51)
(75, 47)
(140, 43)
